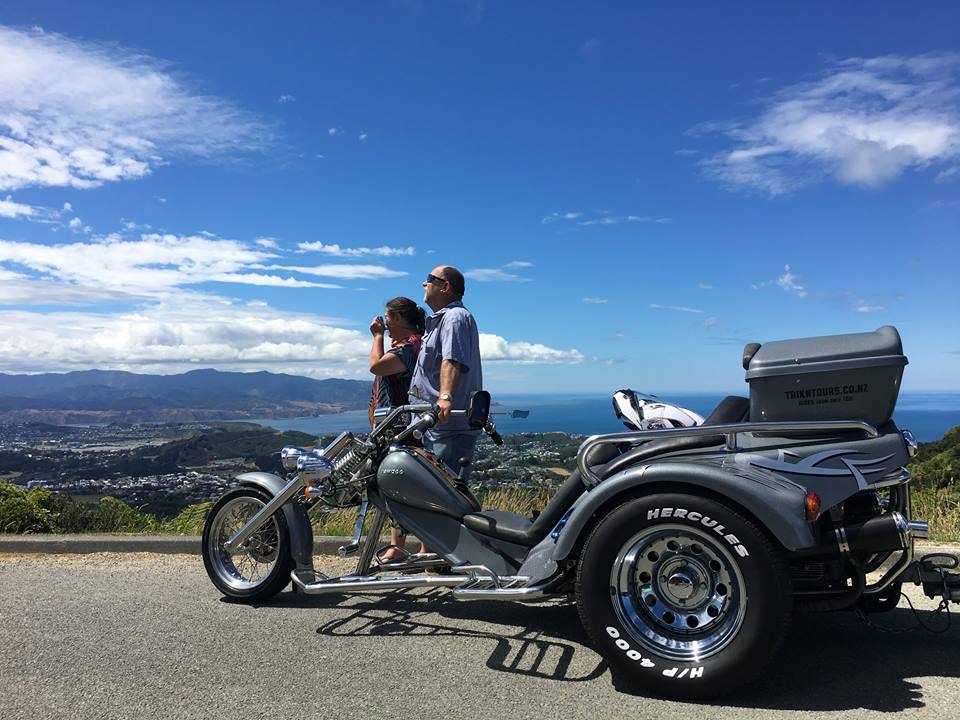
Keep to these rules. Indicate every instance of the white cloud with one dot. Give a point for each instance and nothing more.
(788, 281)
(338, 251)
(346, 272)
(711, 321)
(76, 223)
(180, 335)
(494, 275)
(494, 348)
(67, 207)
(363, 136)
(267, 243)
(333, 131)
(11, 209)
(81, 114)
(861, 307)
(863, 122)
(705, 286)
(153, 266)
(594, 301)
(675, 308)
(600, 217)
(285, 99)
(518, 265)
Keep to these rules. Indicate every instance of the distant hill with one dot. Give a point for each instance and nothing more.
(92, 396)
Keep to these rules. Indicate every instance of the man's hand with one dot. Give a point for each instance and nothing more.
(443, 411)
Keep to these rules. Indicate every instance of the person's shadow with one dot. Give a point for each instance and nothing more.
(828, 661)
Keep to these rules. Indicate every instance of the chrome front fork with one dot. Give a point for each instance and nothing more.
(237, 543)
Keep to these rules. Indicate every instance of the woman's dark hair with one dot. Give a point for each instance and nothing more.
(409, 313)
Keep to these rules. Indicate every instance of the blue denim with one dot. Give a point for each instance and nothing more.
(450, 448)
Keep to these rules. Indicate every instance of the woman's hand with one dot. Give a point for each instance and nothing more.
(377, 327)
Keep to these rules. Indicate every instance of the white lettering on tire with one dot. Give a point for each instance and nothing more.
(700, 519)
(625, 646)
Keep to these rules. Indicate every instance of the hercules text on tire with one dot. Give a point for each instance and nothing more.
(683, 594)
(259, 570)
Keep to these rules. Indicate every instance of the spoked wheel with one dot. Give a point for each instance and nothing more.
(261, 569)
(683, 594)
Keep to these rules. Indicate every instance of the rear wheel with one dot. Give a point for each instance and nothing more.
(683, 595)
(261, 569)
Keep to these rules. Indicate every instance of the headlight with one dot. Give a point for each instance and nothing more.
(289, 456)
(313, 468)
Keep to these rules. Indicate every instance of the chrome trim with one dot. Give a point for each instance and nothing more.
(525, 594)
(919, 529)
(357, 583)
(912, 445)
(730, 430)
(903, 476)
(235, 543)
(841, 534)
(354, 545)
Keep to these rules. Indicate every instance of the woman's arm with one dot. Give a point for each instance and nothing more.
(386, 364)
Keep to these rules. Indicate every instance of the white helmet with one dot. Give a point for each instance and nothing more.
(639, 411)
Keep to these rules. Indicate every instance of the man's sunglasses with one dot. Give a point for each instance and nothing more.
(435, 279)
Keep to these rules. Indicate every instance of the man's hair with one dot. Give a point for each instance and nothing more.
(455, 278)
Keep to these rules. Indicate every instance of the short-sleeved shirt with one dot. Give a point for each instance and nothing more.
(451, 334)
(391, 390)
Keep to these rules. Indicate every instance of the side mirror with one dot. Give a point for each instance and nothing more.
(478, 409)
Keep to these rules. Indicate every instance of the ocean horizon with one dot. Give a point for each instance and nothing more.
(927, 414)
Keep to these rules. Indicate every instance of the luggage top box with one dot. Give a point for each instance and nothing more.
(837, 377)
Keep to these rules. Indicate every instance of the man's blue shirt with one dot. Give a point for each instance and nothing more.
(451, 334)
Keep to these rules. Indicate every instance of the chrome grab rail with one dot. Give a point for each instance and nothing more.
(729, 430)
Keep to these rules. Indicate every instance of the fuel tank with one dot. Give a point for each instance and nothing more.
(412, 477)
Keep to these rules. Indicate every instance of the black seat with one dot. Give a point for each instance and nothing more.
(606, 460)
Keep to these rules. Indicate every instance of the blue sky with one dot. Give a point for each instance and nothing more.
(633, 191)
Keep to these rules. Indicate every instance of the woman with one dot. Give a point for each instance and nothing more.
(405, 321)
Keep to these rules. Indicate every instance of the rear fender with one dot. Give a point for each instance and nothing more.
(298, 522)
(776, 503)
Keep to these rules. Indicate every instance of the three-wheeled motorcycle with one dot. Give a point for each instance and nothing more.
(685, 549)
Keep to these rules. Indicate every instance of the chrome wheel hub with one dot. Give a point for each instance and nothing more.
(249, 565)
(678, 592)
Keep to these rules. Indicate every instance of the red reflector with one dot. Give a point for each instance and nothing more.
(812, 504)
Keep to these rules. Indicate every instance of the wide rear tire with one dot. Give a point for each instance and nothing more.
(683, 595)
(263, 569)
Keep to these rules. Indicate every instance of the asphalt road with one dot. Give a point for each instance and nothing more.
(147, 636)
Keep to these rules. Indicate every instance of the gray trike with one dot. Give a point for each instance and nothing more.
(684, 549)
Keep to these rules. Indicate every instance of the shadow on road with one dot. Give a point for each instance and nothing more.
(828, 662)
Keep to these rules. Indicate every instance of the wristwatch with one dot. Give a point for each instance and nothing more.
(446, 396)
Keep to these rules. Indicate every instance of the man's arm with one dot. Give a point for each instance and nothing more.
(449, 377)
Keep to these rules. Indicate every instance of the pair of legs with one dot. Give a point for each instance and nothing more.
(449, 450)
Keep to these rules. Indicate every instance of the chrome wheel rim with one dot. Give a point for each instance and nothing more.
(249, 567)
(678, 592)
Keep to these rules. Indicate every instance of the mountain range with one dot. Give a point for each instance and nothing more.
(95, 396)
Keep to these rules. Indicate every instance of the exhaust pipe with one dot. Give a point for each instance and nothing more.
(883, 533)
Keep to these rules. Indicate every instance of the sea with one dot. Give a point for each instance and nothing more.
(927, 415)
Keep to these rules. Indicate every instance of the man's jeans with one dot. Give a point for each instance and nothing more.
(448, 449)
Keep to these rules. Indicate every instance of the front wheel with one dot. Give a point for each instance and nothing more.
(683, 595)
(262, 568)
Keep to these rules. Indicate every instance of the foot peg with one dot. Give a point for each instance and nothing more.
(348, 549)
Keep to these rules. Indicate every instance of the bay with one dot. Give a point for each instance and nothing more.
(927, 415)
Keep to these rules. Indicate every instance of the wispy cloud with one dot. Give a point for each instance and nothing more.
(345, 272)
(500, 274)
(269, 243)
(334, 131)
(711, 321)
(494, 348)
(82, 114)
(362, 136)
(11, 209)
(150, 267)
(601, 218)
(594, 301)
(675, 308)
(862, 122)
(286, 99)
(340, 251)
(861, 306)
(705, 286)
(788, 282)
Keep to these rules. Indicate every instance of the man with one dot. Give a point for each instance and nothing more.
(448, 367)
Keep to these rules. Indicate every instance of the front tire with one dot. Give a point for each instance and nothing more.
(261, 570)
(683, 595)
